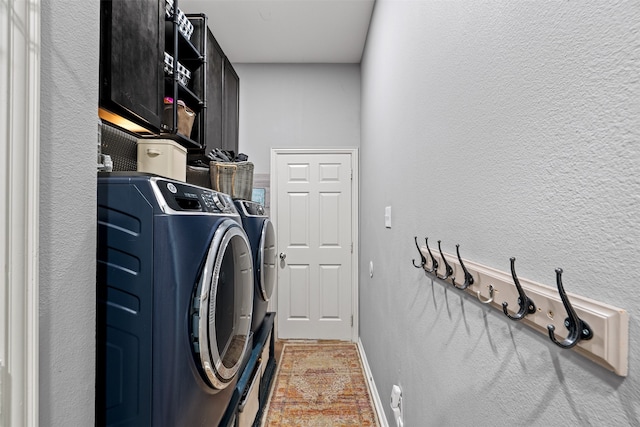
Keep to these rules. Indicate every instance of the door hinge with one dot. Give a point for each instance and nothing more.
(352, 320)
(351, 174)
(351, 247)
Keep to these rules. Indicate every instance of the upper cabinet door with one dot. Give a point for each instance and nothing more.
(131, 59)
(231, 109)
(213, 119)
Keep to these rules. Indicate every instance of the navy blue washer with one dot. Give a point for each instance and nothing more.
(174, 301)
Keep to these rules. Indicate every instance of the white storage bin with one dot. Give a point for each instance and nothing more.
(184, 25)
(168, 64)
(168, 8)
(162, 157)
(184, 75)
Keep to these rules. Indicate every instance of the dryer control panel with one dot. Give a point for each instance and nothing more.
(182, 197)
(252, 208)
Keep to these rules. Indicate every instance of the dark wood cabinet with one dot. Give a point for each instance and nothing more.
(222, 96)
(132, 39)
(137, 40)
(231, 108)
(212, 85)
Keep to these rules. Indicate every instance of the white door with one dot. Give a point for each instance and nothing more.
(315, 223)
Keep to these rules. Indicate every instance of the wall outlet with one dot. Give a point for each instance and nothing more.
(396, 405)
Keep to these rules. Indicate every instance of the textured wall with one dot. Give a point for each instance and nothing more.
(513, 129)
(295, 105)
(69, 78)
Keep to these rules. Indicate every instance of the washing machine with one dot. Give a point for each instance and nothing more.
(175, 299)
(262, 238)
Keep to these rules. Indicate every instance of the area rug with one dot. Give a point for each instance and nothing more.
(320, 384)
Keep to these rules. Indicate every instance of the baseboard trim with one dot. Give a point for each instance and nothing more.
(382, 419)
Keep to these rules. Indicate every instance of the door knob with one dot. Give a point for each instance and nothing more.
(283, 256)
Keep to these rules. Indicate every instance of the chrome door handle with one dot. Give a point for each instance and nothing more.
(283, 256)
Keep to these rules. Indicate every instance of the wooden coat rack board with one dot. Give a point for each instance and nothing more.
(600, 332)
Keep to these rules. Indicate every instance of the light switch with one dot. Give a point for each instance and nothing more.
(387, 216)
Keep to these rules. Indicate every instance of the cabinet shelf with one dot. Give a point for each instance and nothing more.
(190, 98)
(186, 53)
(190, 56)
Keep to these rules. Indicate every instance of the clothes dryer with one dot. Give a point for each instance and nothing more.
(175, 300)
(262, 238)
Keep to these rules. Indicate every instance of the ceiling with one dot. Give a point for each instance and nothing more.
(287, 31)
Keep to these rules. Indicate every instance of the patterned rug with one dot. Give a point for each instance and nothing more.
(320, 384)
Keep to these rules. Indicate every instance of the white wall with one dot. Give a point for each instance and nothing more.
(513, 129)
(68, 138)
(297, 105)
(510, 129)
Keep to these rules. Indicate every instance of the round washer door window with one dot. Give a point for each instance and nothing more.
(222, 305)
(267, 260)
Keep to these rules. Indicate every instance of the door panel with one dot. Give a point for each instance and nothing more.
(314, 225)
(131, 76)
(329, 291)
(231, 111)
(298, 229)
(299, 295)
(329, 218)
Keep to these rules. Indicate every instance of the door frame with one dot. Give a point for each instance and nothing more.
(355, 204)
(19, 212)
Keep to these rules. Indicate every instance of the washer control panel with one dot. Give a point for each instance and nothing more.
(182, 197)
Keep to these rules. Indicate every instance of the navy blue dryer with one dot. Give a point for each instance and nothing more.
(175, 298)
(262, 238)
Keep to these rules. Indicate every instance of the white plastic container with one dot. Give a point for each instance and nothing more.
(162, 157)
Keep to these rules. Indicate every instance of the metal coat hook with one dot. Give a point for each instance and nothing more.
(526, 304)
(434, 262)
(468, 278)
(423, 261)
(486, 301)
(448, 269)
(578, 328)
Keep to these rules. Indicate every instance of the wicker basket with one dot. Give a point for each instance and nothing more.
(235, 179)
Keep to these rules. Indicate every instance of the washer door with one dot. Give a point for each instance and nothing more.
(267, 260)
(222, 305)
